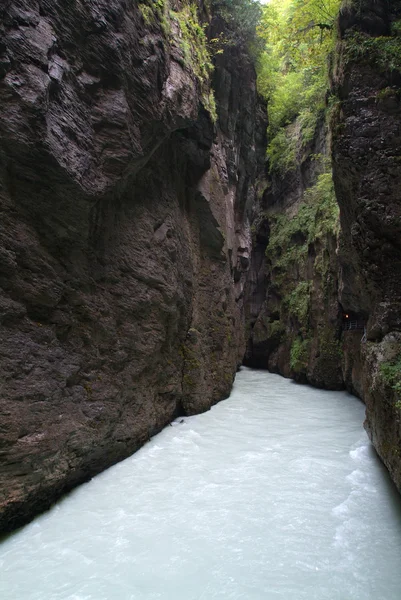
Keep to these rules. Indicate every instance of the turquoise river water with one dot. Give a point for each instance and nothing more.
(274, 494)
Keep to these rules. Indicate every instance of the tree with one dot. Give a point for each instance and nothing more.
(242, 16)
(293, 68)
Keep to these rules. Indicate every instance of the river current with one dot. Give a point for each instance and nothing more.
(274, 494)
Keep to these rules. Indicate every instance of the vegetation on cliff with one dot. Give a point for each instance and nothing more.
(293, 72)
(383, 52)
(316, 217)
(195, 51)
(298, 260)
(185, 25)
(301, 210)
(182, 26)
(241, 17)
(391, 374)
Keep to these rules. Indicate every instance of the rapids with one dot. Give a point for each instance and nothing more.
(275, 493)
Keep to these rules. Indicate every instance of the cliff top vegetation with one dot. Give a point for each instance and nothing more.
(299, 36)
(242, 16)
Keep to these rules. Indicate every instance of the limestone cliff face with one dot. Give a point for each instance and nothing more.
(367, 176)
(293, 313)
(124, 238)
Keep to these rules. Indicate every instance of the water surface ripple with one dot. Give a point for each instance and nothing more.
(274, 494)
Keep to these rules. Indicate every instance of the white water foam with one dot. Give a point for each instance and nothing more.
(274, 494)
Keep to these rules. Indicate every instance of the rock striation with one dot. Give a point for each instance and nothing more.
(138, 260)
(125, 192)
(367, 177)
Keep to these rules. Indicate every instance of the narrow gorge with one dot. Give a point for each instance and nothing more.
(148, 244)
(324, 290)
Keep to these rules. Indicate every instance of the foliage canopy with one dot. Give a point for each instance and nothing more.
(242, 16)
(293, 68)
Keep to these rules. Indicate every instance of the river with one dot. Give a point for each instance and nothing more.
(275, 493)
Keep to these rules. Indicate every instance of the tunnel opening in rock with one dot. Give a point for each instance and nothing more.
(353, 321)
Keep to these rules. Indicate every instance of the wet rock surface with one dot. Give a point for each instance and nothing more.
(124, 239)
(367, 176)
(292, 308)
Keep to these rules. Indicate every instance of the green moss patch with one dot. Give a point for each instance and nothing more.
(391, 374)
(155, 12)
(196, 56)
(299, 356)
(383, 52)
(297, 302)
(317, 216)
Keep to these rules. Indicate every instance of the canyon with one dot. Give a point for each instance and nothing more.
(142, 236)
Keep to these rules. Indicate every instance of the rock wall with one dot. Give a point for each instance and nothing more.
(124, 238)
(293, 314)
(304, 280)
(367, 176)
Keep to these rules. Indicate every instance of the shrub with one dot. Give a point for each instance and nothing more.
(317, 216)
(299, 354)
(298, 302)
(391, 374)
(195, 51)
(242, 17)
(383, 52)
